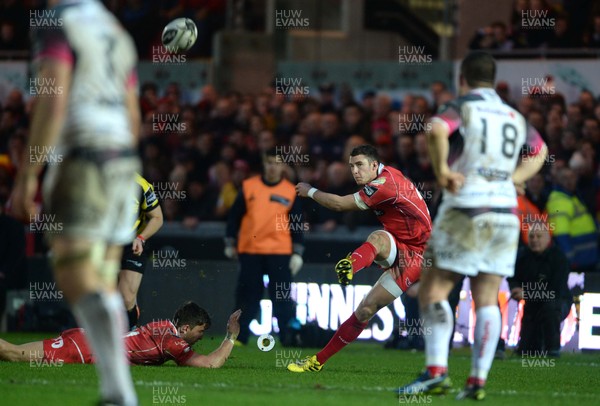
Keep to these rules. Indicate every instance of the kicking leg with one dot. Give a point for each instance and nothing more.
(377, 247)
(377, 298)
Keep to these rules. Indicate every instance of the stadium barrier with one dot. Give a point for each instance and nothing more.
(189, 265)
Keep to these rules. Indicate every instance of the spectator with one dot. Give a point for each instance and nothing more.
(354, 122)
(562, 36)
(503, 90)
(327, 103)
(8, 39)
(587, 102)
(574, 115)
(536, 191)
(593, 38)
(493, 37)
(199, 204)
(288, 123)
(405, 150)
(381, 111)
(437, 89)
(573, 226)
(538, 29)
(331, 146)
(148, 98)
(540, 279)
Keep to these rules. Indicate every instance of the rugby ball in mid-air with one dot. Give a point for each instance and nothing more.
(179, 35)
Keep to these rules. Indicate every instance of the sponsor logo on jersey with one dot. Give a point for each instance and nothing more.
(280, 199)
(370, 190)
(150, 197)
(379, 181)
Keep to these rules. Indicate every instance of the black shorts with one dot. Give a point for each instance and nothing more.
(132, 262)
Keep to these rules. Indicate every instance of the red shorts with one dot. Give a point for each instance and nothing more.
(410, 261)
(70, 347)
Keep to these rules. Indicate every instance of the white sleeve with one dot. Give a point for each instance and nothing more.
(359, 202)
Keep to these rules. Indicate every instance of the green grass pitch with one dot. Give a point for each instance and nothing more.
(362, 374)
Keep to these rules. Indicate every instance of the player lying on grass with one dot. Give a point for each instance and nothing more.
(398, 248)
(152, 344)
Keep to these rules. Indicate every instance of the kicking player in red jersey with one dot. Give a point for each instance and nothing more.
(151, 344)
(398, 248)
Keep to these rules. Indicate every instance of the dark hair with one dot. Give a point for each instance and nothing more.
(275, 151)
(478, 68)
(191, 314)
(367, 150)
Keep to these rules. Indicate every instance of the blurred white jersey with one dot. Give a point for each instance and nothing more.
(103, 59)
(487, 139)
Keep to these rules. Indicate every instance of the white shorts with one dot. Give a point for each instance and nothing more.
(468, 243)
(93, 200)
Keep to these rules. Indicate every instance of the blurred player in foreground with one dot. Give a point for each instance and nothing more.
(151, 344)
(86, 112)
(133, 262)
(398, 248)
(476, 151)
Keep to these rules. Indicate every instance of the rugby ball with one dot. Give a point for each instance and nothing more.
(179, 35)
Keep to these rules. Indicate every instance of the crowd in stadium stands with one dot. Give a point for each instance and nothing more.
(543, 24)
(207, 149)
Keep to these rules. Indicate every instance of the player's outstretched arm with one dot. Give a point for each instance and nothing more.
(329, 200)
(217, 358)
(21, 353)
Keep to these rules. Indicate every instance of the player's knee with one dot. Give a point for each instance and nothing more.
(379, 240)
(365, 311)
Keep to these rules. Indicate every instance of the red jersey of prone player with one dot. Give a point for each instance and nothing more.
(403, 213)
(152, 344)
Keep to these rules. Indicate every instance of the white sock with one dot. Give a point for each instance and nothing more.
(437, 321)
(487, 333)
(102, 316)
